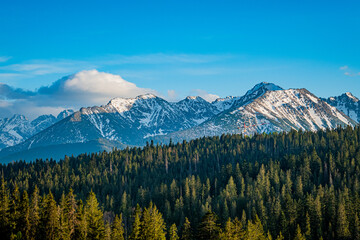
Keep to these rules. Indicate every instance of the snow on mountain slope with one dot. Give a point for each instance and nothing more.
(223, 104)
(347, 103)
(18, 128)
(196, 109)
(14, 130)
(280, 110)
(133, 121)
(128, 120)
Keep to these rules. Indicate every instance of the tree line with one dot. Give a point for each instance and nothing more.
(295, 185)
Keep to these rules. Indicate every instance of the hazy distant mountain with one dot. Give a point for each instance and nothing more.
(18, 128)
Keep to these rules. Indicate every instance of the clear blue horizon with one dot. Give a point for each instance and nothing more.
(176, 49)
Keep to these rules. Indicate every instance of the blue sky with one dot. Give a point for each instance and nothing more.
(184, 47)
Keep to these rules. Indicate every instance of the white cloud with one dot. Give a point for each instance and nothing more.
(349, 72)
(205, 95)
(98, 87)
(86, 88)
(172, 95)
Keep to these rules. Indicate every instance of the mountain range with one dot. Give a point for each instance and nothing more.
(18, 128)
(135, 121)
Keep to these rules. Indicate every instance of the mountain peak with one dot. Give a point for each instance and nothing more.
(257, 91)
(194, 98)
(146, 96)
(18, 117)
(350, 96)
(64, 114)
(265, 86)
(191, 97)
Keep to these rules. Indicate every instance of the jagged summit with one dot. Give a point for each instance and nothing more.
(350, 96)
(18, 117)
(257, 91)
(64, 114)
(263, 87)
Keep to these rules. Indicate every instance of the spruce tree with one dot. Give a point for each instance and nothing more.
(4, 210)
(94, 218)
(342, 222)
(152, 224)
(117, 231)
(136, 226)
(255, 230)
(298, 234)
(173, 235)
(209, 228)
(49, 221)
(24, 221)
(186, 233)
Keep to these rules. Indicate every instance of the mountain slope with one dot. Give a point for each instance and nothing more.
(18, 128)
(127, 120)
(280, 110)
(196, 109)
(347, 103)
(133, 121)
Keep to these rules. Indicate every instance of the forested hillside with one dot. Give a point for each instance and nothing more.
(296, 185)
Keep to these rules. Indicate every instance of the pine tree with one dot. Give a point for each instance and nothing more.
(229, 231)
(186, 233)
(15, 211)
(94, 218)
(136, 226)
(298, 234)
(4, 210)
(34, 213)
(81, 223)
(152, 224)
(49, 221)
(24, 221)
(209, 228)
(64, 230)
(255, 230)
(239, 231)
(307, 227)
(173, 235)
(356, 234)
(70, 212)
(342, 222)
(117, 232)
(107, 231)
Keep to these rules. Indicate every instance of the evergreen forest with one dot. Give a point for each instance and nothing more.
(294, 185)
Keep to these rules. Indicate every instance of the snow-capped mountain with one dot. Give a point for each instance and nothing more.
(223, 104)
(267, 110)
(128, 120)
(196, 109)
(18, 128)
(347, 103)
(133, 121)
